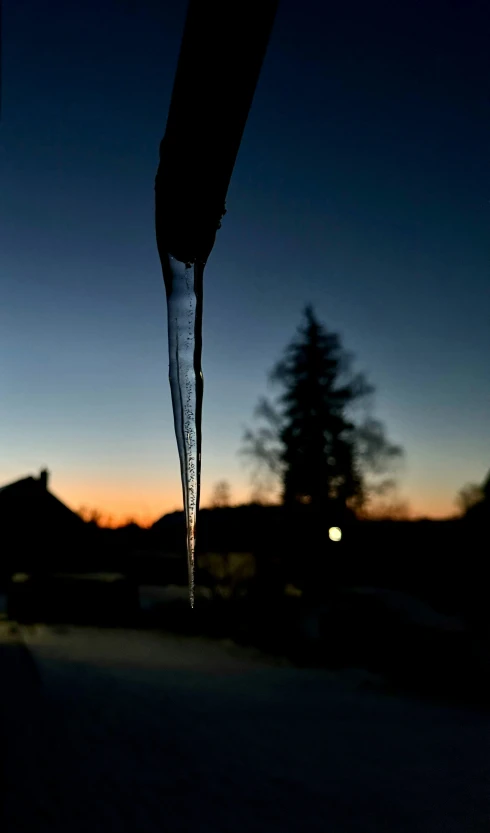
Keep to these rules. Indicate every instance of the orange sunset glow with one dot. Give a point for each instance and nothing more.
(119, 505)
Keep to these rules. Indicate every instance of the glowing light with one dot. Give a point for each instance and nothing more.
(335, 533)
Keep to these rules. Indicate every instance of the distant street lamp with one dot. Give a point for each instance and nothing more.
(335, 533)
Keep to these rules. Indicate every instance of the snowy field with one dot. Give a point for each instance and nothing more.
(135, 731)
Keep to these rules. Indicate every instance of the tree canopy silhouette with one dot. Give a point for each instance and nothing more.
(221, 496)
(309, 443)
(473, 500)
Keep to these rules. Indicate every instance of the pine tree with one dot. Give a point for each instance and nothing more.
(309, 440)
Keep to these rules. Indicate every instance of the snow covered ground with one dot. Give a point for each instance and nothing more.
(135, 731)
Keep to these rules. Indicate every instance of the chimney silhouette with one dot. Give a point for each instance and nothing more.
(43, 478)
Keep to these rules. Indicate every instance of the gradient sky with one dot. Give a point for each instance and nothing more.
(362, 186)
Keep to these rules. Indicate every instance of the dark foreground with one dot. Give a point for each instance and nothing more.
(131, 731)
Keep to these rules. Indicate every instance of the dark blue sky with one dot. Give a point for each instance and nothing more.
(362, 186)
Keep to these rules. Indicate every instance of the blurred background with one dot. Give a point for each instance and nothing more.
(360, 188)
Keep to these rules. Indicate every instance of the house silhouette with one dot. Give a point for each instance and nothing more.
(38, 530)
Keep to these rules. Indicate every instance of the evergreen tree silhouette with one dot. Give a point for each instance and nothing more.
(309, 440)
